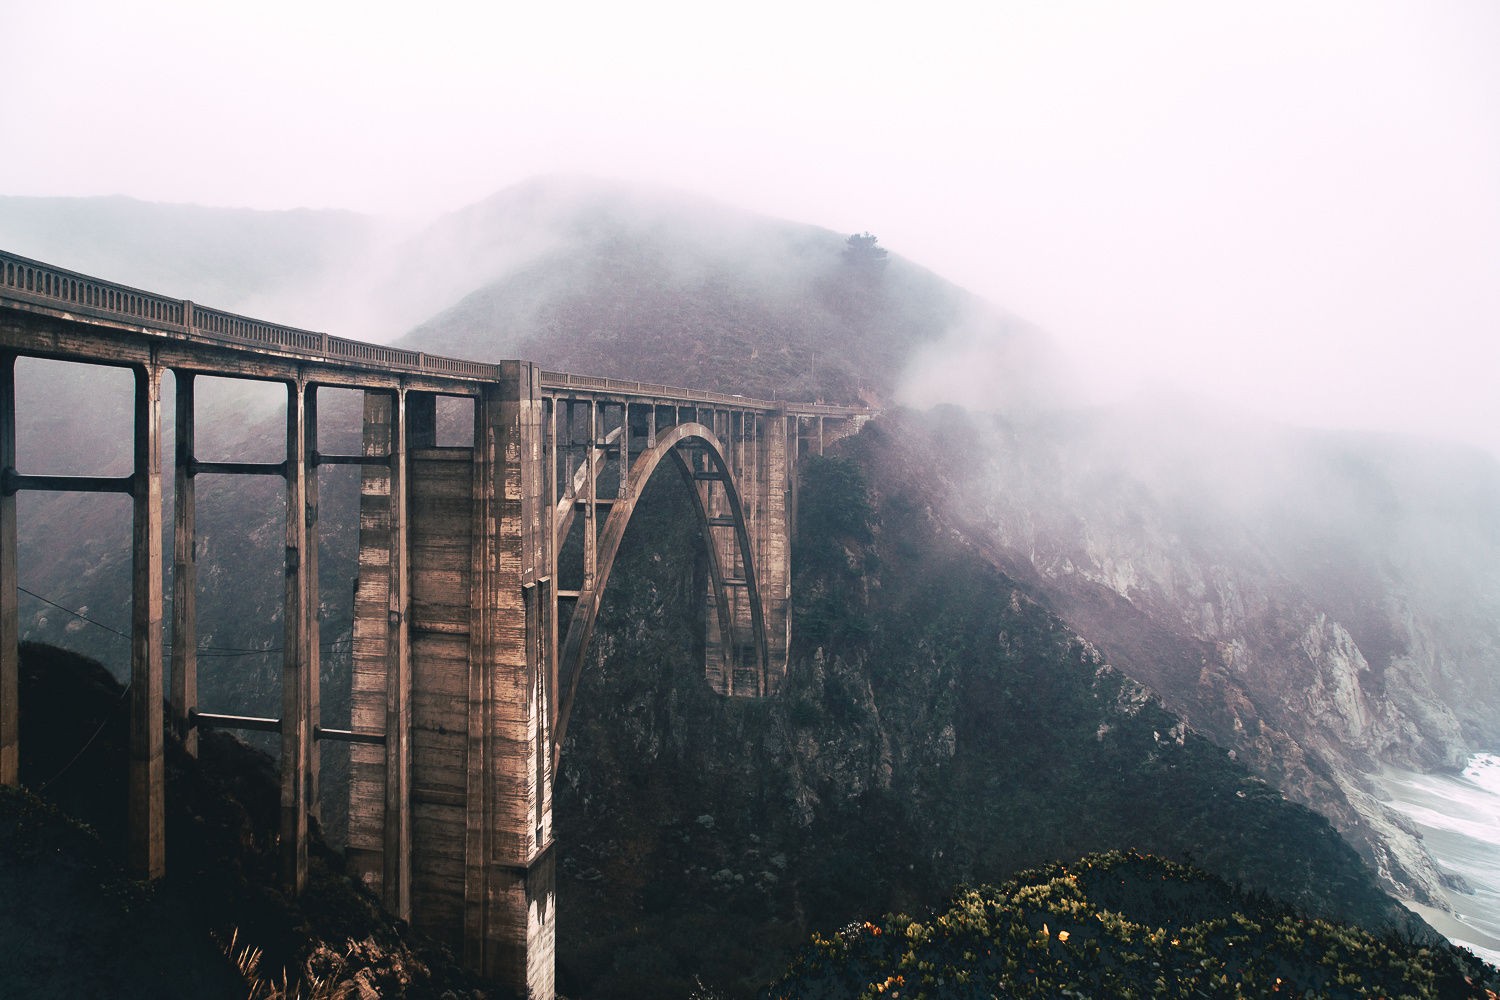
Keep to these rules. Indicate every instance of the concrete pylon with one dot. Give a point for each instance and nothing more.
(451, 821)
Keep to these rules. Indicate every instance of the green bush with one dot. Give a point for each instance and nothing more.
(1121, 925)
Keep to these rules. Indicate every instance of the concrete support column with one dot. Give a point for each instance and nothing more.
(793, 446)
(777, 494)
(591, 508)
(184, 569)
(550, 545)
(756, 494)
(623, 489)
(396, 724)
(567, 449)
(509, 931)
(296, 696)
(145, 807)
(311, 630)
(379, 846)
(10, 617)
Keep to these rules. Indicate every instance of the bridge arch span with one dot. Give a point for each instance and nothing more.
(699, 457)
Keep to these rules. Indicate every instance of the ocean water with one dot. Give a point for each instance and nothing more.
(1459, 816)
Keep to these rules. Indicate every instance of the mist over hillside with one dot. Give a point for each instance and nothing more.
(645, 284)
(286, 265)
(1317, 603)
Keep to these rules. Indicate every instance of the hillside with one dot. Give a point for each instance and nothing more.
(72, 923)
(647, 285)
(1320, 603)
(938, 728)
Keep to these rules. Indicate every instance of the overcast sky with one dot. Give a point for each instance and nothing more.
(1292, 206)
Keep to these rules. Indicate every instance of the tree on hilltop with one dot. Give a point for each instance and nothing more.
(862, 250)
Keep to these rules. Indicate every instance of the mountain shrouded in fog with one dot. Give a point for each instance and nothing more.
(1316, 604)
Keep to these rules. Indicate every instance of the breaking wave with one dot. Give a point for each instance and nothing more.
(1459, 818)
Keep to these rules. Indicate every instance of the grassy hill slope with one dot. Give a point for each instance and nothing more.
(72, 923)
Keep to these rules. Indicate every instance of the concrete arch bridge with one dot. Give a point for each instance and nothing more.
(470, 624)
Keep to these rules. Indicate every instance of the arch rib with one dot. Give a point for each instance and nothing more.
(586, 610)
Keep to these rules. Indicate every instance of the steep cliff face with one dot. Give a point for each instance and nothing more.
(1306, 600)
(937, 726)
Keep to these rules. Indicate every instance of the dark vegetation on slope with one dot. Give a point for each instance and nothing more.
(937, 728)
(73, 924)
(1125, 926)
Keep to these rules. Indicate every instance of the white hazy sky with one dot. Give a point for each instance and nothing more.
(1294, 207)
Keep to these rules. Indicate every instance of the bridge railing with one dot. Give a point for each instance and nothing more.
(34, 281)
(228, 326)
(563, 381)
(825, 410)
(45, 284)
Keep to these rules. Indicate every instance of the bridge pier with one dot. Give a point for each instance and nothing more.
(451, 820)
(773, 530)
(509, 926)
(312, 636)
(379, 843)
(299, 605)
(145, 806)
(184, 566)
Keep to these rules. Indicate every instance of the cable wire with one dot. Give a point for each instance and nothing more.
(76, 614)
(90, 741)
(221, 652)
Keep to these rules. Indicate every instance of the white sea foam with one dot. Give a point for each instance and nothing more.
(1484, 771)
(1459, 817)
